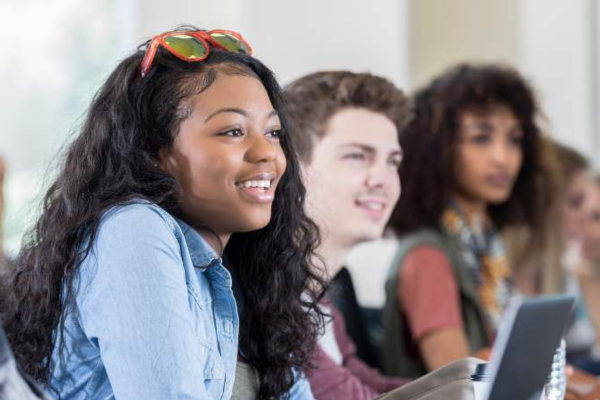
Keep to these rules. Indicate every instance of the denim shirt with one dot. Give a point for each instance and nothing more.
(154, 317)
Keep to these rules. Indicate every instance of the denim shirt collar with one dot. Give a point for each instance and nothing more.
(202, 254)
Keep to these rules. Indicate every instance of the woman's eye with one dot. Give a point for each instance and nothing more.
(274, 134)
(481, 138)
(516, 139)
(576, 202)
(232, 133)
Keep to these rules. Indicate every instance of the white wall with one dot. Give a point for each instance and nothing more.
(443, 33)
(295, 38)
(556, 52)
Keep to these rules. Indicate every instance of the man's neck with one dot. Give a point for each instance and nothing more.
(333, 255)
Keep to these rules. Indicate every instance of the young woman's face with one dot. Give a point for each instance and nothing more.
(591, 242)
(574, 212)
(352, 179)
(489, 155)
(227, 157)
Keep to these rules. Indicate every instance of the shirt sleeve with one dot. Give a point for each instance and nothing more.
(428, 291)
(368, 376)
(330, 381)
(133, 304)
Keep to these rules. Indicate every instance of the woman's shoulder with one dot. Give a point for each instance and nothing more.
(428, 243)
(133, 226)
(427, 236)
(138, 215)
(137, 235)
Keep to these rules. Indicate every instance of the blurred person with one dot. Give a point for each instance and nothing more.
(588, 274)
(574, 171)
(5, 262)
(576, 182)
(121, 291)
(346, 133)
(475, 163)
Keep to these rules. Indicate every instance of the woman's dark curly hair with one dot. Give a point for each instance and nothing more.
(111, 162)
(429, 144)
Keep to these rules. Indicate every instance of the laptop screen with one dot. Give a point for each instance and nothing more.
(528, 337)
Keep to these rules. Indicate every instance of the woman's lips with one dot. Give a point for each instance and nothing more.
(258, 195)
(500, 181)
(258, 188)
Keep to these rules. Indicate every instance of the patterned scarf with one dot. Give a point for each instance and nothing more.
(483, 251)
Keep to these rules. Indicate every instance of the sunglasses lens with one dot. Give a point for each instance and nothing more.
(186, 46)
(230, 42)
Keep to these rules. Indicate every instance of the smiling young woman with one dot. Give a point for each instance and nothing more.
(121, 290)
(475, 163)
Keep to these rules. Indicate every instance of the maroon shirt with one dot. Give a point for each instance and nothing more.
(353, 380)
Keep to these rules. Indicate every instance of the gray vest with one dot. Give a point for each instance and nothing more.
(398, 358)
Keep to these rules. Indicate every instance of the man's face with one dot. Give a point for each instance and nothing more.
(352, 179)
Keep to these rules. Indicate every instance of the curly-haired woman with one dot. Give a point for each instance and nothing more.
(121, 291)
(475, 163)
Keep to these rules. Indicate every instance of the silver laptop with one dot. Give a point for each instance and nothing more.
(527, 339)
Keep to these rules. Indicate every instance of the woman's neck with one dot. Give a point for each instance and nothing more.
(469, 206)
(215, 240)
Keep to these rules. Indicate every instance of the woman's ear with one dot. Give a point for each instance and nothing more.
(163, 160)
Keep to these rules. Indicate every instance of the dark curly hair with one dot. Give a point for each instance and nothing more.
(313, 99)
(429, 143)
(111, 162)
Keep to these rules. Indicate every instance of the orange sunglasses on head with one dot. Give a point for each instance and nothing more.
(194, 45)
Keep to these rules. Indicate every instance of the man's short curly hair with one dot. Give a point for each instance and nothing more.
(313, 99)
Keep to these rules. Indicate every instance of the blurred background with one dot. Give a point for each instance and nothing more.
(58, 52)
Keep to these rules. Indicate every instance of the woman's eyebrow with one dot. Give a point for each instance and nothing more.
(244, 113)
(227, 110)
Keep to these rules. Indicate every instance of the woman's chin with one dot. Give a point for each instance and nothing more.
(253, 224)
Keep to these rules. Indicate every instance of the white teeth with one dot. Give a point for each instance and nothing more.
(373, 206)
(256, 184)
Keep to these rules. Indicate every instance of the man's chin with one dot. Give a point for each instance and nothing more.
(368, 235)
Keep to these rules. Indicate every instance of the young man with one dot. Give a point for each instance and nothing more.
(346, 129)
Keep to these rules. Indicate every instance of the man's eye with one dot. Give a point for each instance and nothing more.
(355, 156)
(395, 162)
